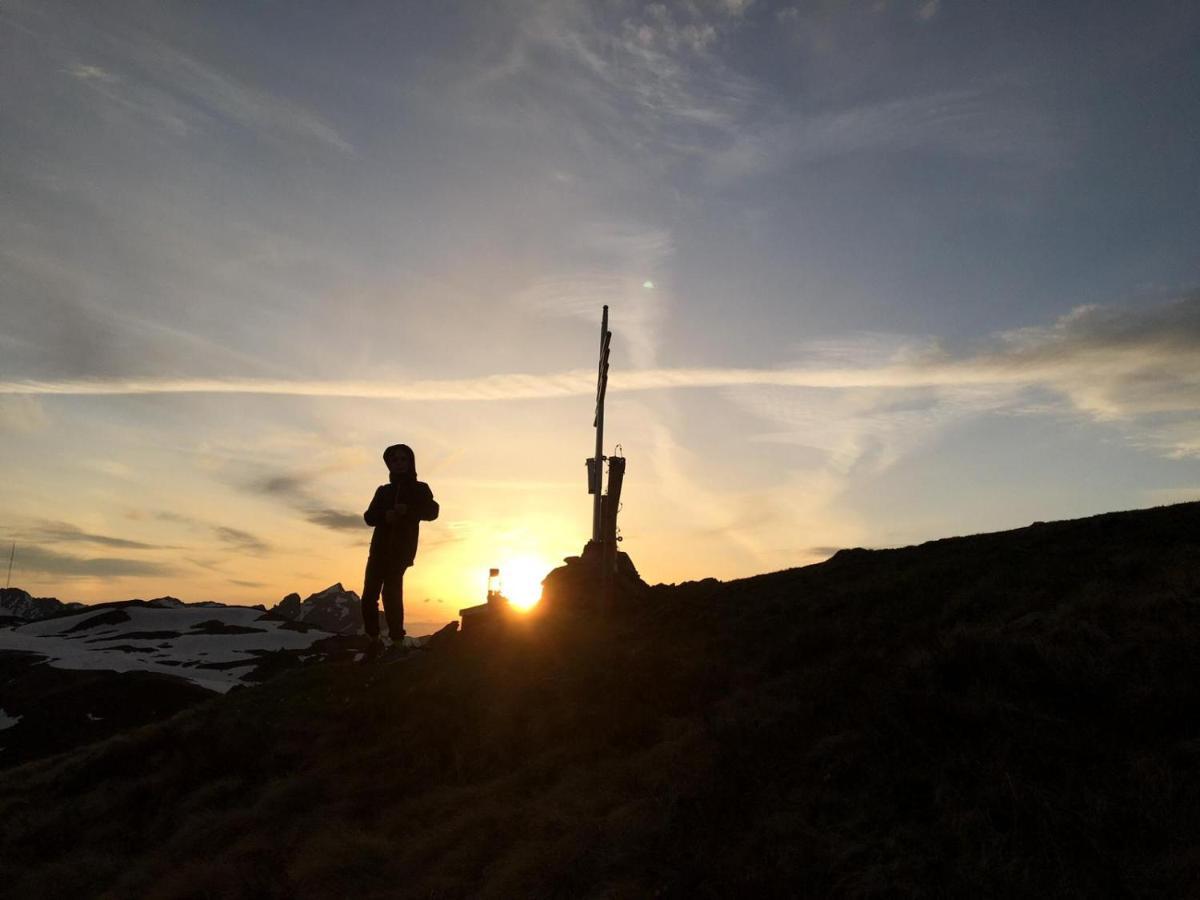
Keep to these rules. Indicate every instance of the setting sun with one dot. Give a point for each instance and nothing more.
(521, 580)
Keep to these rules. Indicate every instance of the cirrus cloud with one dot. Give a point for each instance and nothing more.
(1137, 367)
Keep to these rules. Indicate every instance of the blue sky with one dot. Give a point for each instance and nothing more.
(879, 272)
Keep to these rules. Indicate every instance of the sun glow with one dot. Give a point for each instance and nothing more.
(521, 580)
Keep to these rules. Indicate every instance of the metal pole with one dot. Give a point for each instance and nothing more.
(11, 554)
(597, 523)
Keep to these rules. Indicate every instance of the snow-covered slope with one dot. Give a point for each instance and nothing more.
(212, 646)
(82, 676)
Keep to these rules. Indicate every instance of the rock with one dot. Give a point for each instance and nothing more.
(111, 617)
(443, 635)
(289, 606)
(216, 626)
(576, 585)
(18, 604)
(334, 609)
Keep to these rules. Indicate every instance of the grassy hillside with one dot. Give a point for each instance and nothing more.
(1008, 714)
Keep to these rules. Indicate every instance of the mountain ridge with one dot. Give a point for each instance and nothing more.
(17, 605)
(1000, 714)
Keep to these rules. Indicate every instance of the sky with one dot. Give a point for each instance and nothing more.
(878, 272)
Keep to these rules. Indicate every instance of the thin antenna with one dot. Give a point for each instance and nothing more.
(601, 389)
(11, 554)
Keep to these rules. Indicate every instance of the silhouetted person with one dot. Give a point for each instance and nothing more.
(396, 512)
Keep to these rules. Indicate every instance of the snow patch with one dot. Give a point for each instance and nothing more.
(111, 648)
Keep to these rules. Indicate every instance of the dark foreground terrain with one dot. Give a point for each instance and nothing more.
(1014, 714)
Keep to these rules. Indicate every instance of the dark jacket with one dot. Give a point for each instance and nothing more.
(398, 542)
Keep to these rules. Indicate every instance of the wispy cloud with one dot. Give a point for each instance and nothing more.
(241, 541)
(38, 560)
(705, 507)
(228, 536)
(1111, 364)
(627, 270)
(159, 81)
(1136, 371)
(1104, 346)
(294, 489)
(987, 123)
(78, 332)
(519, 386)
(64, 532)
(91, 73)
(335, 519)
(863, 430)
(635, 81)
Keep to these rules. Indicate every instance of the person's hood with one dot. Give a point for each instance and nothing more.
(412, 461)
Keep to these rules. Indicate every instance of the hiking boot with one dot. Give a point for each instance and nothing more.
(392, 653)
(374, 650)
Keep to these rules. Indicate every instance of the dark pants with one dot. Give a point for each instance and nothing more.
(388, 575)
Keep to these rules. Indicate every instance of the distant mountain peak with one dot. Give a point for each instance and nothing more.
(331, 591)
(333, 609)
(16, 603)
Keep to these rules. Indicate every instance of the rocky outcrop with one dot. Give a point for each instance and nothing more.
(288, 607)
(334, 609)
(576, 585)
(17, 605)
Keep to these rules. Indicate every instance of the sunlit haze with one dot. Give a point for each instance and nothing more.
(878, 272)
